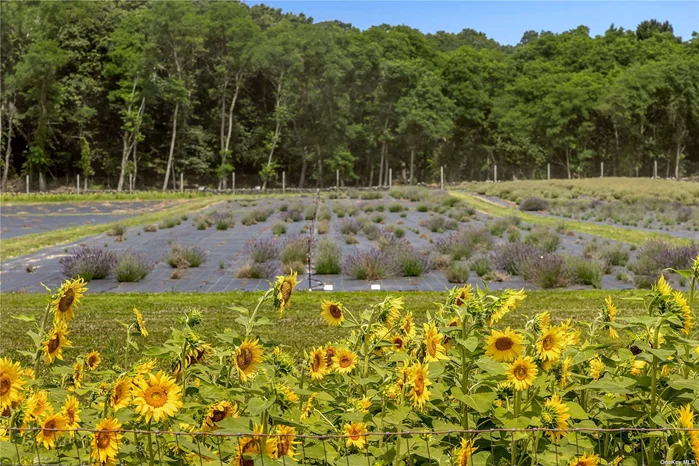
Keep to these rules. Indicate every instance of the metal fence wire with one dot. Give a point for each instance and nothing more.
(488, 447)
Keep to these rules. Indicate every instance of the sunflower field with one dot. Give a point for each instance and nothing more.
(458, 389)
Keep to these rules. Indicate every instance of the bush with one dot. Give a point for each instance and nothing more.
(457, 273)
(223, 220)
(411, 193)
(295, 250)
(422, 208)
(656, 255)
(328, 258)
(411, 263)
(395, 207)
(499, 226)
(151, 228)
(350, 226)
(481, 265)
(368, 265)
(371, 231)
(186, 256)
(323, 227)
(371, 195)
(544, 239)
(256, 270)
(117, 230)
(378, 218)
(615, 255)
(586, 271)
(296, 266)
(278, 229)
(262, 250)
(261, 215)
(171, 222)
(132, 267)
(399, 232)
(438, 224)
(548, 271)
(201, 224)
(89, 263)
(533, 204)
(513, 234)
(514, 257)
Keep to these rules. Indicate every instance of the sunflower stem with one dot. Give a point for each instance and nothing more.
(464, 374)
(251, 321)
(42, 334)
(151, 455)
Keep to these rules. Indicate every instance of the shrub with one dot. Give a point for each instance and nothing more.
(481, 265)
(656, 255)
(499, 226)
(478, 239)
(296, 266)
(323, 227)
(453, 246)
(223, 220)
(117, 230)
(171, 222)
(201, 224)
(548, 271)
(514, 257)
(411, 193)
(248, 219)
(422, 208)
(438, 224)
(262, 250)
(151, 228)
(295, 250)
(279, 229)
(350, 226)
(544, 239)
(615, 255)
(586, 271)
(533, 204)
(371, 231)
(378, 218)
(350, 238)
(328, 258)
(89, 263)
(513, 234)
(395, 207)
(324, 214)
(186, 256)
(399, 232)
(256, 270)
(411, 263)
(261, 215)
(132, 267)
(457, 273)
(368, 265)
(371, 195)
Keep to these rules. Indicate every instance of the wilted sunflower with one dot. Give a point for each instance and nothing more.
(57, 340)
(92, 360)
(71, 411)
(121, 393)
(555, 415)
(146, 367)
(522, 373)
(685, 312)
(508, 301)
(217, 413)
(11, 383)
(284, 442)
(503, 346)
(465, 452)
(434, 350)
(51, 427)
(541, 321)
(344, 361)
(332, 312)
(283, 288)
(158, 398)
(67, 298)
(78, 370)
(407, 326)
(248, 355)
(609, 316)
(686, 419)
(317, 363)
(597, 368)
(105, 442)
(550, 344)
(418, 383)
(356, 435)
(585, 460)
(140, 322)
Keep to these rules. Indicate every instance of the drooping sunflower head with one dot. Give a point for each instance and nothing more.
(51, 427)
(609, 312)
(217, 413)
(555, 415)
(285, 443)
(356, 435)
(407, 325)
(434, 349)
(121, 393)
(285, 395)
(67, 298)
(522, 372)
(684, 311)
(540, 322)
(333, 313)
(418, 383)
(344, 361)
(56, 341)
(508, 301)
(550, 344)
(596, 367)
(245, 451)
(157, 398)
(503, 392)
(92, 360)
(398, 342)
(71, 411)
(461, 295)
(105, 441)
(317, 366)
(140, 322)
(246, 358)
(283, 289)
(11, 383)
(503, 346)
(465, 452)
(663, 288)
(308, 406)
(585, 460)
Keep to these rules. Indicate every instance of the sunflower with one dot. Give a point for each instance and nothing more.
(562, 371)
(407, 326)
(344, 361)
(685, 311)
(609, 316)
(37, 404)
(550, 344)
(522, 373)
(434, 350)
(283, 288)
(541, 321)
(597, 368)
(503, 346)
(218, 412)
(78, 370)
(585, 460)
(465, 452)
(686, 419)
(317, 366)
(462, 295)
(93, 360)
(285, 395)
(121, 393)
(332, 312)
(418, 383)
(398, 342)
(247, 447)
(157, 398)
(308, 406)
(105, 441)
(249, 354)
(71, 411)
(11, 382)
(53, 346)
(356, 434)
(284, 442)
(663, 287)
(146, 367)
(555, 415)
(51, 427)
(329, 355)
(362, 405)
(67, 298)
(508, 301)
(637, 366)
(140, 322)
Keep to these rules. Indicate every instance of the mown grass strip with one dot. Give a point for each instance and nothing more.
(625, 235)
(301, 327)
(14, 247)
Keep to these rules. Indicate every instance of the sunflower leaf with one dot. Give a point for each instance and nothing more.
(24, 317)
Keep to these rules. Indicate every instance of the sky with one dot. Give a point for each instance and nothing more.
(504, 21)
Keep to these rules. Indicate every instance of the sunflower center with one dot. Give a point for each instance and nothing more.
(335, 311)
(432, 347)
(547, 342)
(66, 301)
(283, 446)
(70, 415)
(317, 361)
(5, 384)
(54, 343)
(354, 435)
(156, 397)
(520, 372)
(345, 361)
(398, 342)
(329, 355)
(103, 439)
(244, 358)
(504, 343)
(49, 427)
(92, 361)
(218, 415)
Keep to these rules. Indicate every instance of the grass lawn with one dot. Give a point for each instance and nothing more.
(97, 327)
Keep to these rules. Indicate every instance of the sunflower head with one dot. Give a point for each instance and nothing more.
(344, 361)
(56, 341)
(284, 441)
(686, 417)
(503, 346)
(51, 427)
(333, 312)
(418, 382)
(585, 460)
(522, 372)
(217, 413)
(433, 340)
(308, 406)
(11, 383)
(67, 298)
(92, 360)
(157, 398)
(71, 411)
(465, 452)
(461, 295)
(140, 322)
(555, 415)
(550, 344)
(508, 301)
(105, 441)
(637, 366)
(662, 288)
(283, 289)
(355, 433)
(317, 366)
(597, 367)
(246, 358)
(121, 393)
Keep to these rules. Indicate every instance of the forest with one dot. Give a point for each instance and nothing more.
(146, 90)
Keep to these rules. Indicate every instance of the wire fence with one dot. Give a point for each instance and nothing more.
(489, 447)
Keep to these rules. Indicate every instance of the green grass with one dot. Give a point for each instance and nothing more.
(31, 198)
(625, 235)
(26, 244)
(97, 327)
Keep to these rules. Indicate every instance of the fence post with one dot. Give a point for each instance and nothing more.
(495, 173)
(130, 183)
(233, 182)
(548, 171)
(27, 184)
(181, 182)
(283, 182)
(337, 179)
(601, 169)
(390, 177)
(441, 177)
(77, 184)
(655, 169)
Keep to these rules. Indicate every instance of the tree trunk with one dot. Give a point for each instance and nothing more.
(386, 167)
(412, 163)
(319, 181)
(8, 152)
(381, 162)
(568, 162)
(371, 170)
(677, 160)
(302, 178)
(42, 182)
(277, 129)
(172, 147)
(126, 143)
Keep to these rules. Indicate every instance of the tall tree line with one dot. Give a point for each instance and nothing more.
(147, 89)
